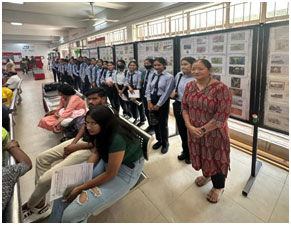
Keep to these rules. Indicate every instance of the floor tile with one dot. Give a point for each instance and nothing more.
(281, 211)
(192, 207)
(133, 208)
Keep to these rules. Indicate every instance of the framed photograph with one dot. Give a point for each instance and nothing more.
(236, 112)
(237, 70)
(201, 49)
(237, 102)
(217, 69)
(280, 109)
(280, 59)
(238, 36)
(217, 77)
(218, 38)
(237, 60)
(218, 48)
(236, 92)
(237, 47)
(201, 40)
(216, 60)
(277, 85)
(282, 45)
(235, 82)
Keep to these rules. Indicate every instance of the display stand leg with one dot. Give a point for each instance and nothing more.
(256, 165)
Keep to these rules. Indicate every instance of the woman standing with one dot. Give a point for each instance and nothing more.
(118, 160)
(158, 93)
(133, 82)
(206, 107)
(70, 107)
(148, 73)
(181, 79)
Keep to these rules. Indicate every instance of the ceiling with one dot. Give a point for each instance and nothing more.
(48, 22)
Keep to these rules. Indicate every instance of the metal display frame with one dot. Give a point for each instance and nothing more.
(175, 50)
(113, 52)
(85, 49)
(129, 43)
(264, 53)
(253, 67)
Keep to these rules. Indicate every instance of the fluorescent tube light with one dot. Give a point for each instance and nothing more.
(16, 2)
(16, 24)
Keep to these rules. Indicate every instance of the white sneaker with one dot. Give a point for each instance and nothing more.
(36, 214)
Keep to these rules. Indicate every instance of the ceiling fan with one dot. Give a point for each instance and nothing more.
(93, 17)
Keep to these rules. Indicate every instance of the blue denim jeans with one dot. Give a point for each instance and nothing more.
(76, 212)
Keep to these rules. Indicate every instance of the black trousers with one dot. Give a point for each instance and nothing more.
(86, 85)
(77, 82)
(218, 181)
(145, 104)
(70, 80)
(181, 127)
(55, 75)
(161, 129)
(119, 102)
(112, 95)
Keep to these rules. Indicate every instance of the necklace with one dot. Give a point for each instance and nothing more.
(203, 90)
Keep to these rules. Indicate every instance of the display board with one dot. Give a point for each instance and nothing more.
(230, 54)
(93, 53)
(158, 48)
(16, 57)
(276, 108)
(106, 53)
(85, 53)
(125, 52)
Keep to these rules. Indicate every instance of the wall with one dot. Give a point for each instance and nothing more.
(28, 49)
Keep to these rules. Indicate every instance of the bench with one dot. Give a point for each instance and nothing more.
(12, 213)
(16, 99)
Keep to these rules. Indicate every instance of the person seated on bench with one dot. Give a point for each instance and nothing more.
(70, 152)
(70, 107)
(7, 96)
(118, 160)
(11, 173)
(11, 79)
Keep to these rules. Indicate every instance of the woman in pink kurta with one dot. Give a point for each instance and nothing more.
(206, 107)
(71, 106)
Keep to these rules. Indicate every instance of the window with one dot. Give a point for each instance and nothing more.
(279, 8)
(244, 12)
(118, 36)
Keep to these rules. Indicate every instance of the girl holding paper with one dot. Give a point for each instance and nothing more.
(133, 82)
(118, 160)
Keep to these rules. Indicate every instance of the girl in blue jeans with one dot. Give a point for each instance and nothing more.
(118, 160)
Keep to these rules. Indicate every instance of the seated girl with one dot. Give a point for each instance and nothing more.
(118, 160)
(70, 107)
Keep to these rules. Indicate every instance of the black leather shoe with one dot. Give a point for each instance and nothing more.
(187, 161)
(165, 149)
(140, 124)
(149, 128)
(182, 156)
(136, 121)
(157, 145)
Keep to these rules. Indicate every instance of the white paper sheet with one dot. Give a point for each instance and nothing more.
(70, 176)
(135, 94)
(109, 79)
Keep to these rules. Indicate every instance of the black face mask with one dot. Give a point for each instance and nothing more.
(120, 66)
(148, 67)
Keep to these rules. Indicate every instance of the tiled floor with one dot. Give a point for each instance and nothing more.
(170, 194)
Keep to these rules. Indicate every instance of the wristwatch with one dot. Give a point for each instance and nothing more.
(203, 129)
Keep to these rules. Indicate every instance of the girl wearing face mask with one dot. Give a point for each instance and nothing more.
(146, 76)
(206, 107)
(181, 79)
(158, 93)
(107, 81)
(121, 89)
(133, 82)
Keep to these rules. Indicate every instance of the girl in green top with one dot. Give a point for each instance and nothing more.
(118, 160)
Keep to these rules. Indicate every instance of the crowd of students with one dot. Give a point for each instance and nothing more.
(201, 109)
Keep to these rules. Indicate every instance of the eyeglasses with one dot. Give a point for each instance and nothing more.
(92, 124)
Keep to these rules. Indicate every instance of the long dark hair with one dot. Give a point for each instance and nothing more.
(110, 125)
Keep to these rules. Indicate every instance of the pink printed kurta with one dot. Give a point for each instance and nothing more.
(211, 152)
(75, 103)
